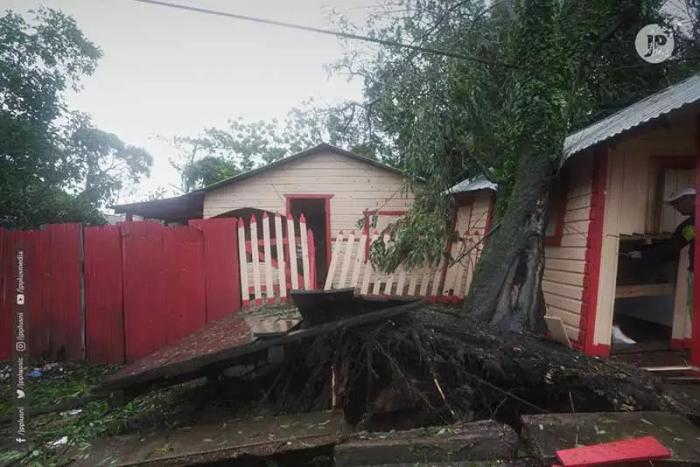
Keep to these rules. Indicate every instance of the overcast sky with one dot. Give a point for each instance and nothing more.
(173, 72)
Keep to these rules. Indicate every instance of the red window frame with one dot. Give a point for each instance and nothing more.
(559, 203)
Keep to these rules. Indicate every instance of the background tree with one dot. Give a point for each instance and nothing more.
(539, 70)
(54, 165)
(218, 153)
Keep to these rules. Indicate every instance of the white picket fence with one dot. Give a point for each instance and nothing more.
(276, 255)
(349, 267)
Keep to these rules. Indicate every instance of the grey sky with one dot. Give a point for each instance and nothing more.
(168, 72)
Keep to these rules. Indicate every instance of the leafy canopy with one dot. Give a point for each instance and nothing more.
(218, 153)
(452, 119)
(55, 166)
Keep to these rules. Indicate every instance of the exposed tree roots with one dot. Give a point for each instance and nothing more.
(433, 366)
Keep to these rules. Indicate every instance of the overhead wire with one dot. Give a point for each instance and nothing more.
(344, 35)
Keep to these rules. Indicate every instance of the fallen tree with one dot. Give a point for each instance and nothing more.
(432, 366)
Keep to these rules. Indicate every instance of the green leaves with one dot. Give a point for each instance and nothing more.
(218, 153)
(55, 166)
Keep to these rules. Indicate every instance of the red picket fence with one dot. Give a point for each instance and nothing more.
(116, 293)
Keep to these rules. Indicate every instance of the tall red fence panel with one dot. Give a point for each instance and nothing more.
(6, 294)
(145, 320)
(62, 288)
(183, 250)
(117, 293)
(38, 320)
(223, 286)
(104, 317)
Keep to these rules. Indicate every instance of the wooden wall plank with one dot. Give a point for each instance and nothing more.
(144, 288)
(267, 249)
(255, 253)
(104, 307)
(65, 273)
(347, 259)
(292, 249)
(279, 254)
(305, 264)
(185, 302)
(222, 270)
(243, 263)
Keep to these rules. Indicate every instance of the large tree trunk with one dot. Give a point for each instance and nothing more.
(505, 291)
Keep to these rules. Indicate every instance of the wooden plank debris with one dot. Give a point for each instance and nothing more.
(555, 325)
(646, 448)
(466, 442)
(214, 443)
(672, 368)
(545, 434)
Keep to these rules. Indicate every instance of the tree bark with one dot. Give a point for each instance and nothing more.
(506, 288)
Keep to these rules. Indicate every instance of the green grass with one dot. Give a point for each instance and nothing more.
(96, 419)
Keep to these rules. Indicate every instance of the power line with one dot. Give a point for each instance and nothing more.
(328, 32)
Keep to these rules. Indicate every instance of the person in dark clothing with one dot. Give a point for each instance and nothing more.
(684, 203)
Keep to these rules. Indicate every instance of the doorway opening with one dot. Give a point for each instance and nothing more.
(316, 211)
(652, 306)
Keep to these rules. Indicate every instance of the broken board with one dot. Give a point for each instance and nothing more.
(556, 329)
(547, 433)
(485, 440)
(218, 442)
(646, 448)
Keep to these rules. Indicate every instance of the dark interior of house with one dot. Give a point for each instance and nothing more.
(644, 300)
(314, 211)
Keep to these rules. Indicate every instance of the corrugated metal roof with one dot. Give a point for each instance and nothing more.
(672, 98)
(475, 184)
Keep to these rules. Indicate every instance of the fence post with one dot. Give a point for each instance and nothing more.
(254, 249)
(312, 257)
(304, 252)
(281, 265)
(269, 289)
(292, 246)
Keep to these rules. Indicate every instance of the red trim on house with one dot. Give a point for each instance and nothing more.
(680, 344)
(594, 247)
(695, 339)
(560, 203)
(599, 350)
(327, 208)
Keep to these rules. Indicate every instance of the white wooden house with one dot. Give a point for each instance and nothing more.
(334, 189)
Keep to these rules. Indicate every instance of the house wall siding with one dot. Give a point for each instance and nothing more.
(472, 220)
(563, 279)
(355, 186)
